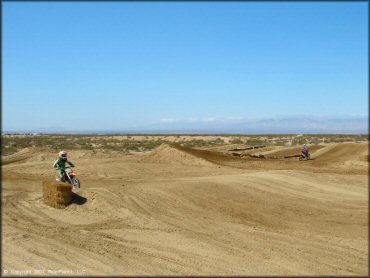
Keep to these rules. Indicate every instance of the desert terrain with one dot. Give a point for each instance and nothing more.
(188, 205)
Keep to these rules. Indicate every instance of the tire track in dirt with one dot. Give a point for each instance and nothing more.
(170, 219)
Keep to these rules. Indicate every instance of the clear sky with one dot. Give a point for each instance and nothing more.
(131, 65)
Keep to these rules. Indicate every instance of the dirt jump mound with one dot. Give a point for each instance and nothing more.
(17, 157)
(343, 152)
(166, 153)
(56, 194)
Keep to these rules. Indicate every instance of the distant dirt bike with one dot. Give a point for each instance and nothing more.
(70, 177)
(305, 156)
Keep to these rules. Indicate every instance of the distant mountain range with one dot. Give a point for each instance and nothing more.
(240, 125)
(273, 125)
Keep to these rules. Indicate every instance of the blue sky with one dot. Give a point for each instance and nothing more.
(101, 66)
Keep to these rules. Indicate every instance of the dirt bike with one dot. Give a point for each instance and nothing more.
(305, 156)
(70, 177)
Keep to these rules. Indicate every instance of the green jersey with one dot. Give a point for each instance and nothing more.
(60, 164)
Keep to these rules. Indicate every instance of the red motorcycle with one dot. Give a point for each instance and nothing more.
(70, 176)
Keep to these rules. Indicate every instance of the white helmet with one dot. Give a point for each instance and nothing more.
(63, 154)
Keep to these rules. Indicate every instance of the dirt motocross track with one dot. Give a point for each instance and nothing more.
(181, 211)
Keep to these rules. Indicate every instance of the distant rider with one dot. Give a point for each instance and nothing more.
(60, 164)
(304, 150)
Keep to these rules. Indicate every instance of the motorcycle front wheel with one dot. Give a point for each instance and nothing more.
(76, 183)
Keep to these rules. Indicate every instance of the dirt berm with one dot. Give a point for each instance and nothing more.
(171, 153)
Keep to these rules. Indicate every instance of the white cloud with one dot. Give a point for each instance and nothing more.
(167, 120)
(234, 118)
(210, 119)
(187, 120)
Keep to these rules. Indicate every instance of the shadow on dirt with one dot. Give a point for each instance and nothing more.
(77, 199)
(307, 159)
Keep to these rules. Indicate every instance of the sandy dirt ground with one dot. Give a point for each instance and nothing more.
(180, 211)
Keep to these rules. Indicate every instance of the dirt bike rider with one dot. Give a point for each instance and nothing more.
(304, 151)
(60, 164)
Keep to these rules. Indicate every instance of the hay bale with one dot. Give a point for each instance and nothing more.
(57, 194)
(259, 146)
(241, 149)
(257, 155)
